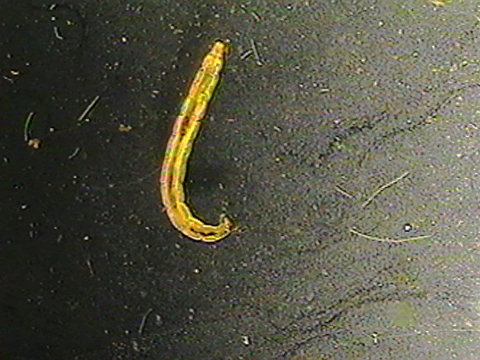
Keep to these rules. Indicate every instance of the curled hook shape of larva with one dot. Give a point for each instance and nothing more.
(180, 145)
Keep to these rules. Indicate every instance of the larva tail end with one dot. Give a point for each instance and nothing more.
(227, 222)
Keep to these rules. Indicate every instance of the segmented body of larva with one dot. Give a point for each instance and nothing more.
(180, 145)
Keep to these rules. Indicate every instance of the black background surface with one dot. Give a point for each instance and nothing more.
(344, 96)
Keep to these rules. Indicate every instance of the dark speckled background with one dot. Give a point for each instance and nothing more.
(347, 95)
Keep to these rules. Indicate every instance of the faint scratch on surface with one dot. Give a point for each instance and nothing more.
(386, 239)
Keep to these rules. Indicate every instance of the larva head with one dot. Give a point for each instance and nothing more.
(221, 48)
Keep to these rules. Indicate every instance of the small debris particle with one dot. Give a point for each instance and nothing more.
(245, 340)
(74, 153)
(91, 269)
(35, 143)
(124, 128)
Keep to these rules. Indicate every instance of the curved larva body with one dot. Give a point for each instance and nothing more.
(180, 146)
